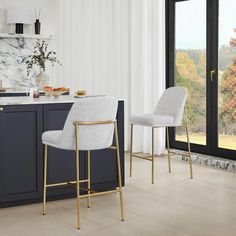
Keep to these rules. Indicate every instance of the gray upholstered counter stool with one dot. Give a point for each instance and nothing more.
(91, 125)
(168, 113)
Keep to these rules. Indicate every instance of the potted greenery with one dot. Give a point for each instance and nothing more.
(40, 56)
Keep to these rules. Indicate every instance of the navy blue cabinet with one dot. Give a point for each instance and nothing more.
(21, 155)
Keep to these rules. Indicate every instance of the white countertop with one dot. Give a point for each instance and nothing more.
(41, 100)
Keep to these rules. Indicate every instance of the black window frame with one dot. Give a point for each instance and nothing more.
(212, 18)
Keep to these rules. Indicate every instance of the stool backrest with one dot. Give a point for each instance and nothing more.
(172, 103)
(90, 137)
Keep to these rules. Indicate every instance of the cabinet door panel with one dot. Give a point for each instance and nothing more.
(20, 128)
(103, 166)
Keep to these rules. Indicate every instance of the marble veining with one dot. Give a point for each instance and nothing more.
(215, 162)
(13, 52)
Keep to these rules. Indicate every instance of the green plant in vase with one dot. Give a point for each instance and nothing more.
(41, 55)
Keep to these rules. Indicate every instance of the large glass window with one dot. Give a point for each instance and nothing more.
(201, 56)
(227, 75)
(190, 65)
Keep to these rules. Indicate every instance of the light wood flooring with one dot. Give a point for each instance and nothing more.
(173, 206)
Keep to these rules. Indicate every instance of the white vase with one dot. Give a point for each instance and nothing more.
(41, 79)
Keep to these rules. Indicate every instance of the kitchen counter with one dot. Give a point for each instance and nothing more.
(22, 122)
(24, 100)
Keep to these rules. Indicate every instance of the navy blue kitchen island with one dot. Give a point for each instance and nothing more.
(22, 122)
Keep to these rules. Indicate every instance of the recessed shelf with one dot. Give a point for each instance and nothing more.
(27, 36)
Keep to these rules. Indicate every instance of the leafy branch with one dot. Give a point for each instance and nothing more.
(40, 56)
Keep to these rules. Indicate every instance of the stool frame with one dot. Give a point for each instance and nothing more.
(169, 152)
(76, 183)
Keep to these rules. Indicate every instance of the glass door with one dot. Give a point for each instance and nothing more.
(201, 56)
(190, 65)
(226, 79)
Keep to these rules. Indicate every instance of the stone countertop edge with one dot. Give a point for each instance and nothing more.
(6, 101)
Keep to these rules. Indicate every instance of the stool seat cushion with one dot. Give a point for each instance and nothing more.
(152, 120)
(52, 138)
(90, 136)
(168, 112)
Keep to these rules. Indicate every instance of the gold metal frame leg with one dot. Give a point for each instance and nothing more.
(168, 148)
(119, 172)
(45, 178)
(89, 176)
(189, 153)
(131, 150)
(153, 155)
(77, 177)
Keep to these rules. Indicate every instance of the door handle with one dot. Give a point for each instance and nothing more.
(1, 109)
(213, 74)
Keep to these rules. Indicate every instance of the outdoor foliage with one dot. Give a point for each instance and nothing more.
(228, 98)
(191, 73)
(190, 69)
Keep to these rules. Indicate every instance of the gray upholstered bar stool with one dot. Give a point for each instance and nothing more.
(168, 113)
(90, 125)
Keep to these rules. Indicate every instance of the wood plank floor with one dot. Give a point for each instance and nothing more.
(173, 206)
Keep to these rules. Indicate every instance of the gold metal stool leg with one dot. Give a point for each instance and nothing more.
(77, 177)
(131, 150)
(168, 148)
(45, 178)
(152, 155)
(89, 176)
(119, 172)
(189, 153)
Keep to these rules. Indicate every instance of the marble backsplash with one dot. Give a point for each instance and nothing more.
(13, 52)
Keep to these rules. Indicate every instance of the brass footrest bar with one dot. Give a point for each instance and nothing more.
(148, 158)
(87, 189)
(100, 193)
(66, 183)
(74, 184)
(82, 188)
